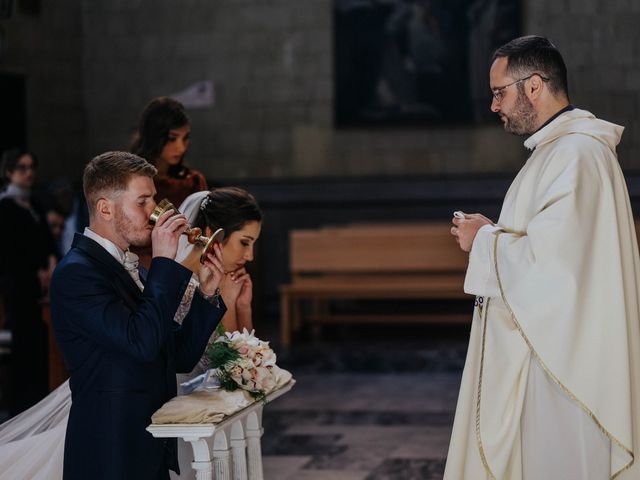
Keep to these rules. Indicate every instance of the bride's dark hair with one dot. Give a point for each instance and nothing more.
(229, 208)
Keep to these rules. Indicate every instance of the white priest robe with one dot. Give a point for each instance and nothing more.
(551, 384)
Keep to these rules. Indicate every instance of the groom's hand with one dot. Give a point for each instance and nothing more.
(166, 233)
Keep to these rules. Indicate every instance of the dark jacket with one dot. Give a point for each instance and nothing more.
(122, 350)
(25, 245)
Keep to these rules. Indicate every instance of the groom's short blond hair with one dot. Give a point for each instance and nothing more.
(109, 173)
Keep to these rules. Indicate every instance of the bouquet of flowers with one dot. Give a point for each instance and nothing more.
(241, 360)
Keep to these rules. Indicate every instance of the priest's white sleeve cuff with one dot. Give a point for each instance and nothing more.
(481, 279)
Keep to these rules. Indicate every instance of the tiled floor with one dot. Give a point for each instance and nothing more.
(365, 410)
(358, 414)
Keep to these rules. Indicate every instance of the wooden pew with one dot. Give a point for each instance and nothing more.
(371, 261)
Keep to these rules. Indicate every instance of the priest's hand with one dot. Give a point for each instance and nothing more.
(465, 229)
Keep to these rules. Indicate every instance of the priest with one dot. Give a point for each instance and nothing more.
(551, 384)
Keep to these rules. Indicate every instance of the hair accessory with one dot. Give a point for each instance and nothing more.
(205, 203)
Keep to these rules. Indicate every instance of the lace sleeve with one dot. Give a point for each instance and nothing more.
(185, 303)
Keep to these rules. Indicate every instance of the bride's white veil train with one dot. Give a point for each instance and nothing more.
(32, 443)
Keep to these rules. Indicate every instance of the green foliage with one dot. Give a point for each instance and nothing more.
(227, 382)
(259, 395)
(221, 356)
(221, 353)
(220, 330)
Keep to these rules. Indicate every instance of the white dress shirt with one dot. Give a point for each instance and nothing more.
(129, 260)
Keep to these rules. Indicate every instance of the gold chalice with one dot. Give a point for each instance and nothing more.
(194, 234)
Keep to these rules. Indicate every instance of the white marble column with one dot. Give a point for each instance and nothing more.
(202, 463)
(239, 449)
(254, 449)
(215, 446)
(221, 457)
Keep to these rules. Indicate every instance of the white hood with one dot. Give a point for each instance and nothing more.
(577, 121)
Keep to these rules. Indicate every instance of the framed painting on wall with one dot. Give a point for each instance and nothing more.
(398, 62)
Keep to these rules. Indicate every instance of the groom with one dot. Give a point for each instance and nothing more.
(116, 331)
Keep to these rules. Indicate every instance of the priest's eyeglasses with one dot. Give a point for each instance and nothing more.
(498, 92)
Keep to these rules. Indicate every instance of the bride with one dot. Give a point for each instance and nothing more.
(32, 443)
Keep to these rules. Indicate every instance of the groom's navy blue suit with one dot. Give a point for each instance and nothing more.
(122, 349)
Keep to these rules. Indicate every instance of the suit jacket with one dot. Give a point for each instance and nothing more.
(122, 350)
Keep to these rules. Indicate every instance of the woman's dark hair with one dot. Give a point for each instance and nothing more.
(159, 117)
(229, 208)
(10, 159)
(533, 54)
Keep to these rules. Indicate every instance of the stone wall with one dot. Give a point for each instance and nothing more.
(271, 63)
(600, 41)
(46, 48)
(93, 64)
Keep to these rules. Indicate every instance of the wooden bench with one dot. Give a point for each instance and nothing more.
(371, 261)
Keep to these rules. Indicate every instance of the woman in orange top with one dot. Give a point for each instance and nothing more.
(163, 139)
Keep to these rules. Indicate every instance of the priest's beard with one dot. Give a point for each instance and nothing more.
(523, 117)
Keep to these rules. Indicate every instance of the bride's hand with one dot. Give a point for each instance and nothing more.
(246, 292)
(211, 271)
(231, 286)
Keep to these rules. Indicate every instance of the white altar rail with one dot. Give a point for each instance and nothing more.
(227, 450)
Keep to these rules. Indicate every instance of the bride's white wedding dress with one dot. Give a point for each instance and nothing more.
(32, 443)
